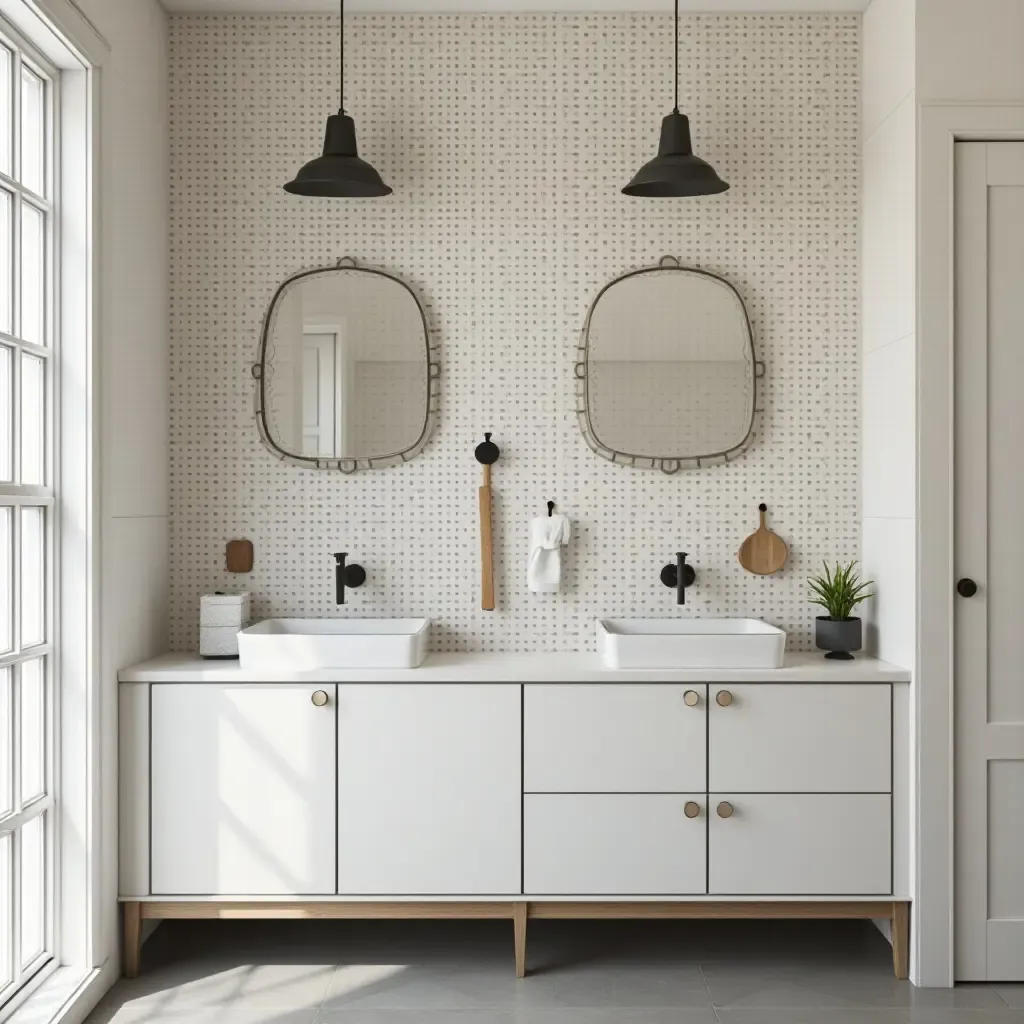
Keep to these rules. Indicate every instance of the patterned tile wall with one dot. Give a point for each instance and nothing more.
(507, 138)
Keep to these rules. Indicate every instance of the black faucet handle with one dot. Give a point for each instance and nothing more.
(346, 576)
(680, 576)
(355, 575)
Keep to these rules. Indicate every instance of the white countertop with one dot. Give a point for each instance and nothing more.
(518, 668)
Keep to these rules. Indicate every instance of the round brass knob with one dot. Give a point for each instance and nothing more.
(320, 698)
(725, 809)
(692, 809)
(691, 698)
(724, 698)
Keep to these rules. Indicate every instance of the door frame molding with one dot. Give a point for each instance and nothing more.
(940, 126)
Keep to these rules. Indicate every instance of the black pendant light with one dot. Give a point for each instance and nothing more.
(339, 172)
(675, 171)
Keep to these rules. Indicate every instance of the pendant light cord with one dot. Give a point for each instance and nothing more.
(341, 62)
(675, 80)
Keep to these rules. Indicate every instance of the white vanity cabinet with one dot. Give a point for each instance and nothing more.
(242, 790)
(516, 787)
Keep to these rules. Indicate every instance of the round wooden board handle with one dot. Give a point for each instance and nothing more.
(763, 552)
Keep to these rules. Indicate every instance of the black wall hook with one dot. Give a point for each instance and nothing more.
(551, 509)
(488, 452)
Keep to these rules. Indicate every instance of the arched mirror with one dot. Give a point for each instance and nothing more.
(666, 375)
(346, 377)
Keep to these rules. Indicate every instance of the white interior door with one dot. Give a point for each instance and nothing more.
(989, 687)
(319, 395)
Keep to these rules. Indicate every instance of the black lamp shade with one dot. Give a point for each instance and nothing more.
(675, 171)
(339, 172)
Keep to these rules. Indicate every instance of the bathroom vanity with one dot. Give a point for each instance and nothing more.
(515, 786)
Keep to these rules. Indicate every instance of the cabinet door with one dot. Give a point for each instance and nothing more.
(612, 738)
(800, 738)
(429, 789)
(242, 790)
(614, 844)
(800, 844)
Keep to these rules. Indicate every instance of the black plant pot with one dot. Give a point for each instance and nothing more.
(837, 636)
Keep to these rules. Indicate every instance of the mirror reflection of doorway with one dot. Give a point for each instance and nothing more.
(324, 381)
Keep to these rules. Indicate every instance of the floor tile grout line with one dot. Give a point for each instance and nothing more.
(711, 1001)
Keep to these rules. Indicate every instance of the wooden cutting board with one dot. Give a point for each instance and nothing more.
(763, 552)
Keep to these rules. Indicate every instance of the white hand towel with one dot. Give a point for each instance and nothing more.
(544, 570)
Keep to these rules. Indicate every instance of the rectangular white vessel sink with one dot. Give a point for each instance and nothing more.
(301, 645)
(690, 643)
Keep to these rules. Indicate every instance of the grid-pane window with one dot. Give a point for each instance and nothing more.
(28, 121)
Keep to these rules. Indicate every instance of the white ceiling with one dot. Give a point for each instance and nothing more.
(456, 6)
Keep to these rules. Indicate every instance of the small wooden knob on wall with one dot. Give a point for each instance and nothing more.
(691, 809)
(725, 809)
(319, 698)
(724, 698)
(691, 698)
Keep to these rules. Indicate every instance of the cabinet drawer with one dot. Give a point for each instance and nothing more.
(614, 844)
(615, 739)
(801, 738)
(801, 844)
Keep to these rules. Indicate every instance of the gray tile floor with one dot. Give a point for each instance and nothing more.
(461, 972)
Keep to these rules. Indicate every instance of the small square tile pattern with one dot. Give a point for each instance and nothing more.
(507, 139)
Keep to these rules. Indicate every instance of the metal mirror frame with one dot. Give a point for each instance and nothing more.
(666, 463)
(260, 378)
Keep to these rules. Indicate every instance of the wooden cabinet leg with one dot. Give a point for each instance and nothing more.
(519, 915)
(132, 939)
(901, 940)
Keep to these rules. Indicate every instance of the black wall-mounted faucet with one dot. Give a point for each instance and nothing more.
(679, 576)
(346, 576)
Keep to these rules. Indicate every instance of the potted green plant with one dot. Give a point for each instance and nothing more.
(839, 591)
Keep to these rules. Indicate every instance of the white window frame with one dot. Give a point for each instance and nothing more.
(86, 960)
(16, 496)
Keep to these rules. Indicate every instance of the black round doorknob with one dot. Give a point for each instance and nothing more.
(966, 587)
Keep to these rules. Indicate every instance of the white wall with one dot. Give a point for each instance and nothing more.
(507, 139)
(133, 346)
(888, 312)
(970, 51)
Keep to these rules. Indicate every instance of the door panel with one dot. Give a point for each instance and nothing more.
(609, 738)
(989, 437)
(786, 738)
(614, 844)
(800, 844)
(242, 790)
(429, 789)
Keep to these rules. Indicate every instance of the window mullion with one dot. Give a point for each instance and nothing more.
(16, 115)
(15, 936)
(16, 415)
(16, 199)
